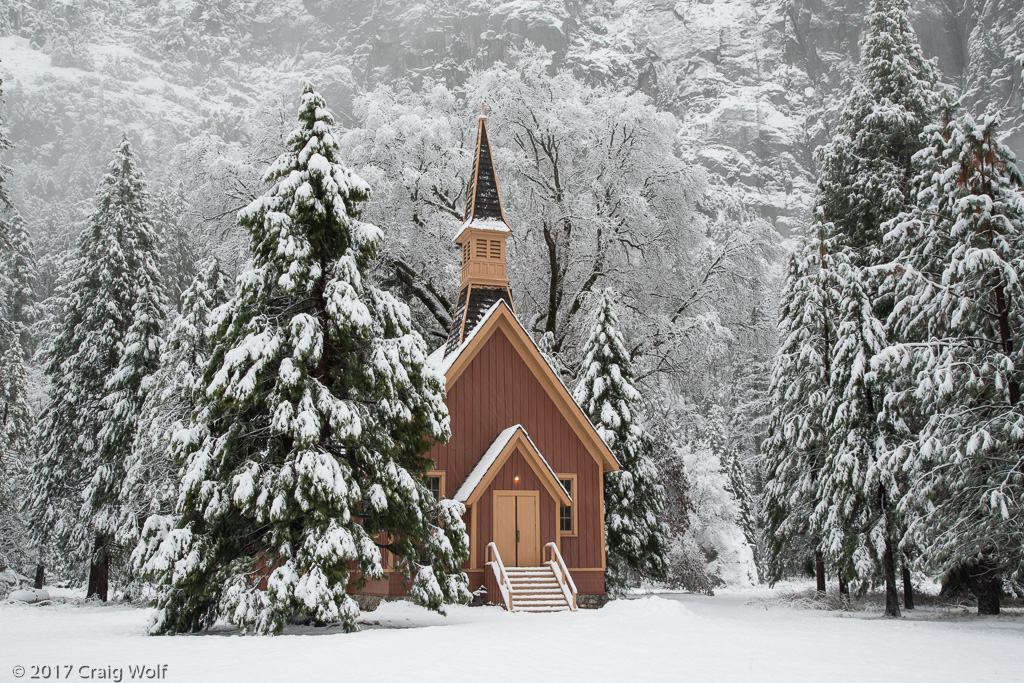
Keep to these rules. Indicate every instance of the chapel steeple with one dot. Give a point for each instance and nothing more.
(482, 238)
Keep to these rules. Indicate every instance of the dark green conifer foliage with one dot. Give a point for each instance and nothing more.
(959, 317)
(112, 277)
(634, 499)
(866, 174)
(304, 458)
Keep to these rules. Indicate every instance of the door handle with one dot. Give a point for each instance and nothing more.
(517, 535)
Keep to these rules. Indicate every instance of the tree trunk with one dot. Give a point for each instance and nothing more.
(40, 575)
(989, 587)
(844, 592)
(553, 282)
(892, 596)
(908, 589)
(819, 570)
(99, 571)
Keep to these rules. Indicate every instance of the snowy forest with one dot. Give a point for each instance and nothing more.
(773, 247)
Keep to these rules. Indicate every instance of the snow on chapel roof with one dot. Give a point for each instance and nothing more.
(491, 456)
(443, 359)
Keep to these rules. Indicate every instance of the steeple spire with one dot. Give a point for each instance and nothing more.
(482, 238)
(484, 199)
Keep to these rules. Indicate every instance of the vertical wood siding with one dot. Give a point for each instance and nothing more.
(498, 390)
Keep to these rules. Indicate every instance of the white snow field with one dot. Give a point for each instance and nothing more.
(661, 638)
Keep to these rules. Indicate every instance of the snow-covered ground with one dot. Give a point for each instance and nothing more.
(729, 637)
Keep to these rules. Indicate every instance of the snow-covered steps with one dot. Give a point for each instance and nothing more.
(536, 589)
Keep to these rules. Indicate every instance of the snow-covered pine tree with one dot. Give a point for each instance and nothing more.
(18, 311)
(151, 475)
(15, 424)
(15, 447)
(99, 295)
(105, 503)
(960, 314)
(865, 170)
(179, 248)
(866, 174)
(305, 451)
(16, 314)
(855, 515)
(799, 390)
(637, 538)
(19, 267)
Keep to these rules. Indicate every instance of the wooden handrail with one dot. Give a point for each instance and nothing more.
(567, 584)
(498, 567)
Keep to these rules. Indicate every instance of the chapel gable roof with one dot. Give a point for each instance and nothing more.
(500, 317)
(490, 463)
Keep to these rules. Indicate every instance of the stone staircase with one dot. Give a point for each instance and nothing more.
(536, 589)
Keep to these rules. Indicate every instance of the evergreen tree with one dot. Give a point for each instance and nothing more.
(800, 392)
(111, 272)
(17, 313)
(865, 171)
(151, 476)
(634, 498)
(16, 420)
(15, 309)
(855, 512)
(179, 248)
(866, 179)
(105, 502)
(960, 312)
(305, 451)
(19, 267)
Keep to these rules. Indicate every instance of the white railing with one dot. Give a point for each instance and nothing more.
(565, 581)
(500, 575)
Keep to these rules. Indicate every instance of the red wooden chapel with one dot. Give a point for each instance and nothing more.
(523, 457)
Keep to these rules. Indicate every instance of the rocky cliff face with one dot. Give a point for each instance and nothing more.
(755, 84)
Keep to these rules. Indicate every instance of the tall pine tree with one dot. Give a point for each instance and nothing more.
(865, 180)
(305, 451)
(110, 278)
(110, 512)
(633, 497)
(18, 312)
(800, 393)
(866, 170)
(854, 516)
(960, 314)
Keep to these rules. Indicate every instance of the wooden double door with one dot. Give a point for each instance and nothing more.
(517, 527)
